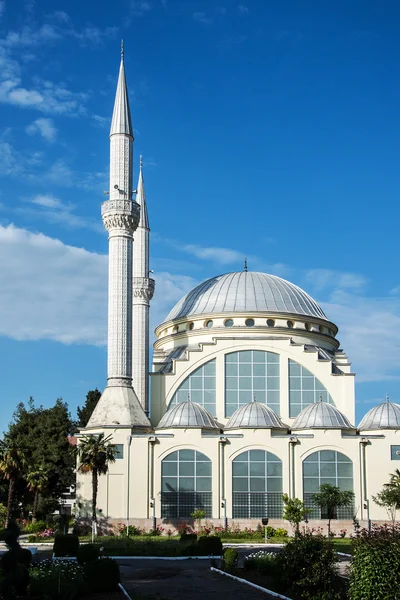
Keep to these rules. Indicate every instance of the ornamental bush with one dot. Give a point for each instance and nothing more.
(375, 568)
(306, 568)
(262, 562)
(101, 575)
(87, 552)
(209, 544)
(35, 527)
(66, 545)
(230, 559)
(58, 580)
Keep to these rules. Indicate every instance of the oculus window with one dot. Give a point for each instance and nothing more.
(200, 386)
(251, 375)
(304, 389)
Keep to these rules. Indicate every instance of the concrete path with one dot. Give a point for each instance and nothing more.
(180, 580)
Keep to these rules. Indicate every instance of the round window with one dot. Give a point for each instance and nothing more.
(321, 329)
(175, 329)
(228, 323)
(290, 324)
(270, 323)
(209, 323)
(249, 322)
(191, 326)
(307, 326)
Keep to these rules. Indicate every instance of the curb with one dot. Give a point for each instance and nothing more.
(123, 590)
(249, 583)
(166, 557)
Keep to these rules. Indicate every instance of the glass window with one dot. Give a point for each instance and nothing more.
(119, 450)
(304, 389)
(395, 452)
(270, 323)
(199, 386)
(209, 323)
(228, 323)
(327, 466)
(186, 484)
(251, 374)
(249, 322)
(257, 485)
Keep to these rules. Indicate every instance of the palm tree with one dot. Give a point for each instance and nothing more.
(95, 453)
(12, 462)
(37, 480)
(394, 479)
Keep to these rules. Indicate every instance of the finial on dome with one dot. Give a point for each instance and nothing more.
(320, 398)
(189, 398)
(387, 397)
(122, 49)
(245, 265)
(254, 397)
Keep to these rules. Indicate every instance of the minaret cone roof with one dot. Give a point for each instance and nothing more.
(121, 119)
(141, 199)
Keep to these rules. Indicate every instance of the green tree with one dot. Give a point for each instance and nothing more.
(389, 496)
(95, 453)
(394, 479)
(294, 511)
(12, 463)
(84, 413)
(37, 480)
(42, 435)
(330, 498)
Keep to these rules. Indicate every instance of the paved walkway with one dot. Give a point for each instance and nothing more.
(180, 580)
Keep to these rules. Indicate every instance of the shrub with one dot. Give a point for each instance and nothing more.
(209, 544)
(58, 580)
(101, 575)
(281, 532)
(375, 569)
(230, 559)
(35, 527)
(132, 530)
(270, 531)
(81, 528)
(188, 537)
(155, 532)
(306, 567)
(66, 545)
(87, 553)
(32, 538)
(264, 563)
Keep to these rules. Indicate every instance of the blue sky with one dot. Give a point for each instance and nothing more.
(268, 129)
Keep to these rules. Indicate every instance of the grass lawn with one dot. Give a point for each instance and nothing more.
(343, 545)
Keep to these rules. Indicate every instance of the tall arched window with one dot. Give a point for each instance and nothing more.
(251, 375)
(327, 466)
(257, 485)
(185, 484)
(200, 385)
(304, 389)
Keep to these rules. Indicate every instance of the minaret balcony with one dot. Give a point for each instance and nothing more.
(143, 287)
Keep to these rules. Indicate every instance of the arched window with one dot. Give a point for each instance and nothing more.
(185, 484)
(327, 466)
(251, 375)
(257, 485)
(200, 384)
(304, 389)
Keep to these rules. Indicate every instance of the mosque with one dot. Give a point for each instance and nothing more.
(251, 394)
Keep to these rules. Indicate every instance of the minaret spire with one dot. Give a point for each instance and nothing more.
(143, 290)
(119, 405)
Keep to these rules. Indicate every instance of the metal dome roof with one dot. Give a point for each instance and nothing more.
(383, 416)
(321, 415)
(255, 416)
(187, 415)
(246, 291)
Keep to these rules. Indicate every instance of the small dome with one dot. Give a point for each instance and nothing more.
(188, 415)
(246, 291)
(254, 416)
(383, 416)
(321, 415)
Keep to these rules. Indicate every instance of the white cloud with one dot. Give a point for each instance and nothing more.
(2, 7)
(45, 127)
(138, 8)
(242, 9)
(53, 210)
(328, 278)
(202, 18)
(220, 255)
(395, 291)
(48, 201)
(58, 292)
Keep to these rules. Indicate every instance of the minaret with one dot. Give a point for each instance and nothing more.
(119, 404)
(143, 290)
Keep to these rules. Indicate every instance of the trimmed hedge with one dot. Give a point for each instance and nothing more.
(209, 544)
(375, 569)
(66, 545)
(101, 575)
(87, 553)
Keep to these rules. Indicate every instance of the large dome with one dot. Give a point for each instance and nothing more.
(246, 291)
(186, 415)
(254, 416)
